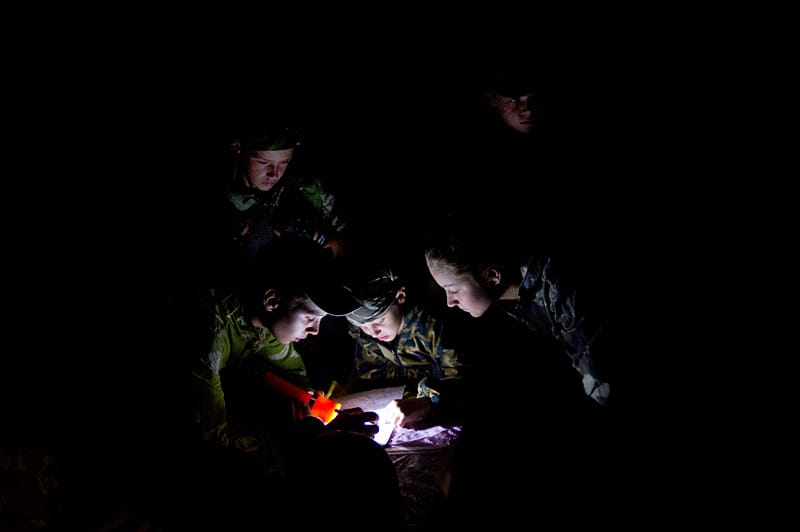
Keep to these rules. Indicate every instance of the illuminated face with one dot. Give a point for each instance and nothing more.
(518, 112)
(301, 320)
(387, 327)
(461, 290)
(266, 167)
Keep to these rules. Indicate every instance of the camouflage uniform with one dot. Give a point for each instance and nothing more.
(544, 305)
(241, 349)
(417, 358)
(293, 207)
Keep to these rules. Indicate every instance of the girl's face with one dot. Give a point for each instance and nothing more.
(461, 290)
(387, 327)
(266, 167)
(298, 322)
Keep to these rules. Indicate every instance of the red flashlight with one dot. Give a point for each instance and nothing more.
(321, 407)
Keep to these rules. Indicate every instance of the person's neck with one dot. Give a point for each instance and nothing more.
(510, 293)
(258, 322)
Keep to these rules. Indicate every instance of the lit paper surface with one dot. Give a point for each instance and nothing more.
(374, 401)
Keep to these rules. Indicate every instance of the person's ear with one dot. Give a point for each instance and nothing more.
(492, 277)
(271, 300)
(400, 298)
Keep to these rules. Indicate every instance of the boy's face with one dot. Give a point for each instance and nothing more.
(387, 327)
(298, 322)
(462, 290)
(266, 167)
(518, 112)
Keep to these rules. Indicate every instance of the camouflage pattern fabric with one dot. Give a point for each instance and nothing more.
(416, 355)
(544, 306)
(294, 207)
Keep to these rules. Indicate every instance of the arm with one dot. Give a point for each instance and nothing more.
(445, 387)
(439, 389)
(210, 412)
(549, 306)
(331, 230)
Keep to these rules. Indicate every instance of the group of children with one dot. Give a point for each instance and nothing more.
(446, 336)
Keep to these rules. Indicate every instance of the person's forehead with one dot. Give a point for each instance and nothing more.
(450, 278)
(272, 155)
(387, 313)
(517, 96)
(309, 307)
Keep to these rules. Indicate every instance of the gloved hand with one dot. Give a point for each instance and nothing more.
(355, 420)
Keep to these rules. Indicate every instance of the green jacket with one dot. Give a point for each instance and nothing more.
(233, 367)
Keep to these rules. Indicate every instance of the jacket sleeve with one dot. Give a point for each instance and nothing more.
(549, 305)
(445, 386)
(211, 413)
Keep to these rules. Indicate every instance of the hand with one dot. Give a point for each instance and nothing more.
(337, 246)
(300, 410)
(355, 420)
(414, 412)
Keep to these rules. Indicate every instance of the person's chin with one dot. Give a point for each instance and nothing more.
(477, 313)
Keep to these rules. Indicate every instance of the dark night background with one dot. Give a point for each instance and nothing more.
(116, 133)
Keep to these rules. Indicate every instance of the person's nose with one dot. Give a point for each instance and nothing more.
(451, 301)
(526, 102)
(525, 106)
(314, 327)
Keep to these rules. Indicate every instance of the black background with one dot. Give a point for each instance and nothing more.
(116, 131)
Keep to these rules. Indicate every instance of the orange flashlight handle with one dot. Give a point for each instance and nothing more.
(286, 388)
(321, 407)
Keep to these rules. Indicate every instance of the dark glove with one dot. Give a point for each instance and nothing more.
(355, 420)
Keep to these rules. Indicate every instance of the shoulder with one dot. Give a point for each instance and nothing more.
(421, 322)
(315, 185)
(224, 307)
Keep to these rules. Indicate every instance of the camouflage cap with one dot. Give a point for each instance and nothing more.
(270, 138)
(375, 298)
